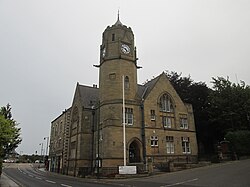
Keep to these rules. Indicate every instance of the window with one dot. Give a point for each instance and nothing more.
(126, 83)
(113, 37)
(166, 121)
(60, 142)
(166, 103)
(55, 130)
(170, 144)
(129, 116)
(152, 115)
(154, 141)
(185, 145)
(183, 123)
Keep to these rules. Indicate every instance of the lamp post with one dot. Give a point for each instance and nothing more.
(41, 144)
(46, 154)
(92, 130)
(98, 151)
(47, 144)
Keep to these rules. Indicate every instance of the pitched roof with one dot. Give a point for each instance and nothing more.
(89, 95)
(144, 90)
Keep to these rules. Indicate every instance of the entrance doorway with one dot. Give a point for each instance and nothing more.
(134, 152)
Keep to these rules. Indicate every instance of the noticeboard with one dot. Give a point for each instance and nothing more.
(127, 170)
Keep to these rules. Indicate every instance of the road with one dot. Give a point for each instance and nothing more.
(231, 174)
(26, 176)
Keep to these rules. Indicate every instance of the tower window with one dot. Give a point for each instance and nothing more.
(126, 83)
(113, 37)
(129, 116)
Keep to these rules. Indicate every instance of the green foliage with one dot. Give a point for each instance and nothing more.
(6, 111)
(195, 93)
(217, 111)
(9, 132)
(229, 107)
(239, 140)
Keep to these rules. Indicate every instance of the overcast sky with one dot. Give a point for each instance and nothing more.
(47, 46)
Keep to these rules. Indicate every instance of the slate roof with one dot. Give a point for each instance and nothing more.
(144, 90)
(89, 95)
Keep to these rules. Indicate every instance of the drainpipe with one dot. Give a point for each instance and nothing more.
(143, 128)
(92, 143)
(77, 136)
(143, 134)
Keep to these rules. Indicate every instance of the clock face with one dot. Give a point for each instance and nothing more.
(125, 49)
(103, 52)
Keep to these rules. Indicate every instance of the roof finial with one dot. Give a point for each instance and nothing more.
(118, 22)
(118, 14)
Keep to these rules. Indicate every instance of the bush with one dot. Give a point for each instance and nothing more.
(239, 142)
(1, 165)
(215, 159)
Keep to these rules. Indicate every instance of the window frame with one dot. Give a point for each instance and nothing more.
(113, 37)
(152, 115)
(126, 83)
(170, 144)
(183, 123)
(154, 141)
(166, 103)
(129, 117)
(165, 122)
(185, 143)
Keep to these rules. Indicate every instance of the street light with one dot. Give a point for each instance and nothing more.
(41, 148)
(47, 144)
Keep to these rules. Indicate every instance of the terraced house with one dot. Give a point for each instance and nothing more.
(159, 127)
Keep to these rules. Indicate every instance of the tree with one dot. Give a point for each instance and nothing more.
(229, 107)
(239, 141)
(9, 132)
(217, 111)
(195, 93)
(6, 111)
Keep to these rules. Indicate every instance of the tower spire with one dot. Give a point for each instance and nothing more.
(118, 22)
(118, 16)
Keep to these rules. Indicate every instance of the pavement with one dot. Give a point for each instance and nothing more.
(5, 181)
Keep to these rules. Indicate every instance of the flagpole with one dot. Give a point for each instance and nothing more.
(124, 133)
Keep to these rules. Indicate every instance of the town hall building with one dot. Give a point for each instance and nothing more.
(87, 138)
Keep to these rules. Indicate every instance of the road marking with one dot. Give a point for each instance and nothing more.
(50, 181)
(39, 178)
(66, 185)
(31, 175)
(178, 183)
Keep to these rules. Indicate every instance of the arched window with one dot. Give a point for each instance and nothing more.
(166, 104)
(126, 83)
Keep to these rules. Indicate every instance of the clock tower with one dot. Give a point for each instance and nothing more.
(117, 59)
